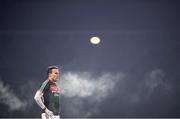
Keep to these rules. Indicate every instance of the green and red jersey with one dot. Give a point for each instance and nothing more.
(51, 96)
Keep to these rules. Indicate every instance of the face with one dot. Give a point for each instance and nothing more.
(54, 75)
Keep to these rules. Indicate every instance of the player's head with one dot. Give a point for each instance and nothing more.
(53, 73)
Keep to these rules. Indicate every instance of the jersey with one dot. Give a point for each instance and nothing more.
(51, 96)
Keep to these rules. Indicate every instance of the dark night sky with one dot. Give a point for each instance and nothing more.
(140, 45)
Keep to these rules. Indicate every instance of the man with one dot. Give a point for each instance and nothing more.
(47, 97)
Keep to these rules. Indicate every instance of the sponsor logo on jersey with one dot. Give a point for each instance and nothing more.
(53, 88)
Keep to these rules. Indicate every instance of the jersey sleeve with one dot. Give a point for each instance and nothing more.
(44, 86)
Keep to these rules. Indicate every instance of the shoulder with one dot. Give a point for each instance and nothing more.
(44, 84)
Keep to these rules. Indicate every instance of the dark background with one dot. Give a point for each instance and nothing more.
(138, 37)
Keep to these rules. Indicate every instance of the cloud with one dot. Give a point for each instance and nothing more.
(82, 89)
(83, 85)
(154, 81)
(9, 98)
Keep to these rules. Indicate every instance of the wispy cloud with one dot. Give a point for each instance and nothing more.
(154, 81)
(9, 98)
(84, 89)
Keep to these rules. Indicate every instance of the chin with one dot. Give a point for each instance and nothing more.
(55, 80)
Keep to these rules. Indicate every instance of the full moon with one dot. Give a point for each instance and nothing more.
(95, 40)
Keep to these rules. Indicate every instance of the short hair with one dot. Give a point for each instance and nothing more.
(50, 68)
